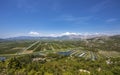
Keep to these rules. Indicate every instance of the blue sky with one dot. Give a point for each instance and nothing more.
(49, 17)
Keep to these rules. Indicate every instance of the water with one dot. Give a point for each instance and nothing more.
(65, 53)
(2, 58)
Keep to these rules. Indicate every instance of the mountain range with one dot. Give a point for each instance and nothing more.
(64, 37)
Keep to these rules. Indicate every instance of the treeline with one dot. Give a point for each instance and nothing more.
(59, 65)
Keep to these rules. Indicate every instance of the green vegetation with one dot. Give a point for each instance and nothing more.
(59, 65)
(97, 56)
(11, 47)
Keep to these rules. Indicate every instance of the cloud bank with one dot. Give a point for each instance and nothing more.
(34, 33)
(64, 34)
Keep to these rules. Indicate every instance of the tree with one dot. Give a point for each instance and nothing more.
(13, 63)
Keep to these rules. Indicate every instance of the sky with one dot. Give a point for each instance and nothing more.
(58, 17)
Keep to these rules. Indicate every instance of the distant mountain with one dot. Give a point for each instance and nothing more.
(23, 38)
(64, 37)
(115, 37)
(2, 39)
(31, 38)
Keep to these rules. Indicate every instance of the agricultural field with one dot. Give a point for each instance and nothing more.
(94, 48)
(12, 47)
(97, 56)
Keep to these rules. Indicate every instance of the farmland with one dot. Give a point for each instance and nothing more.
(60, 57)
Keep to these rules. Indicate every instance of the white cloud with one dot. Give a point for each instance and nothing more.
(75, 20)
(53, 35)
(28, 6)
(34, 33)
(86, 34)
(62, 34)
(111, 20)
(70, 33)
(100, 6)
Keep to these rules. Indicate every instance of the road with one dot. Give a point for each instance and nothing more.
(30, 46)
(92, 56)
